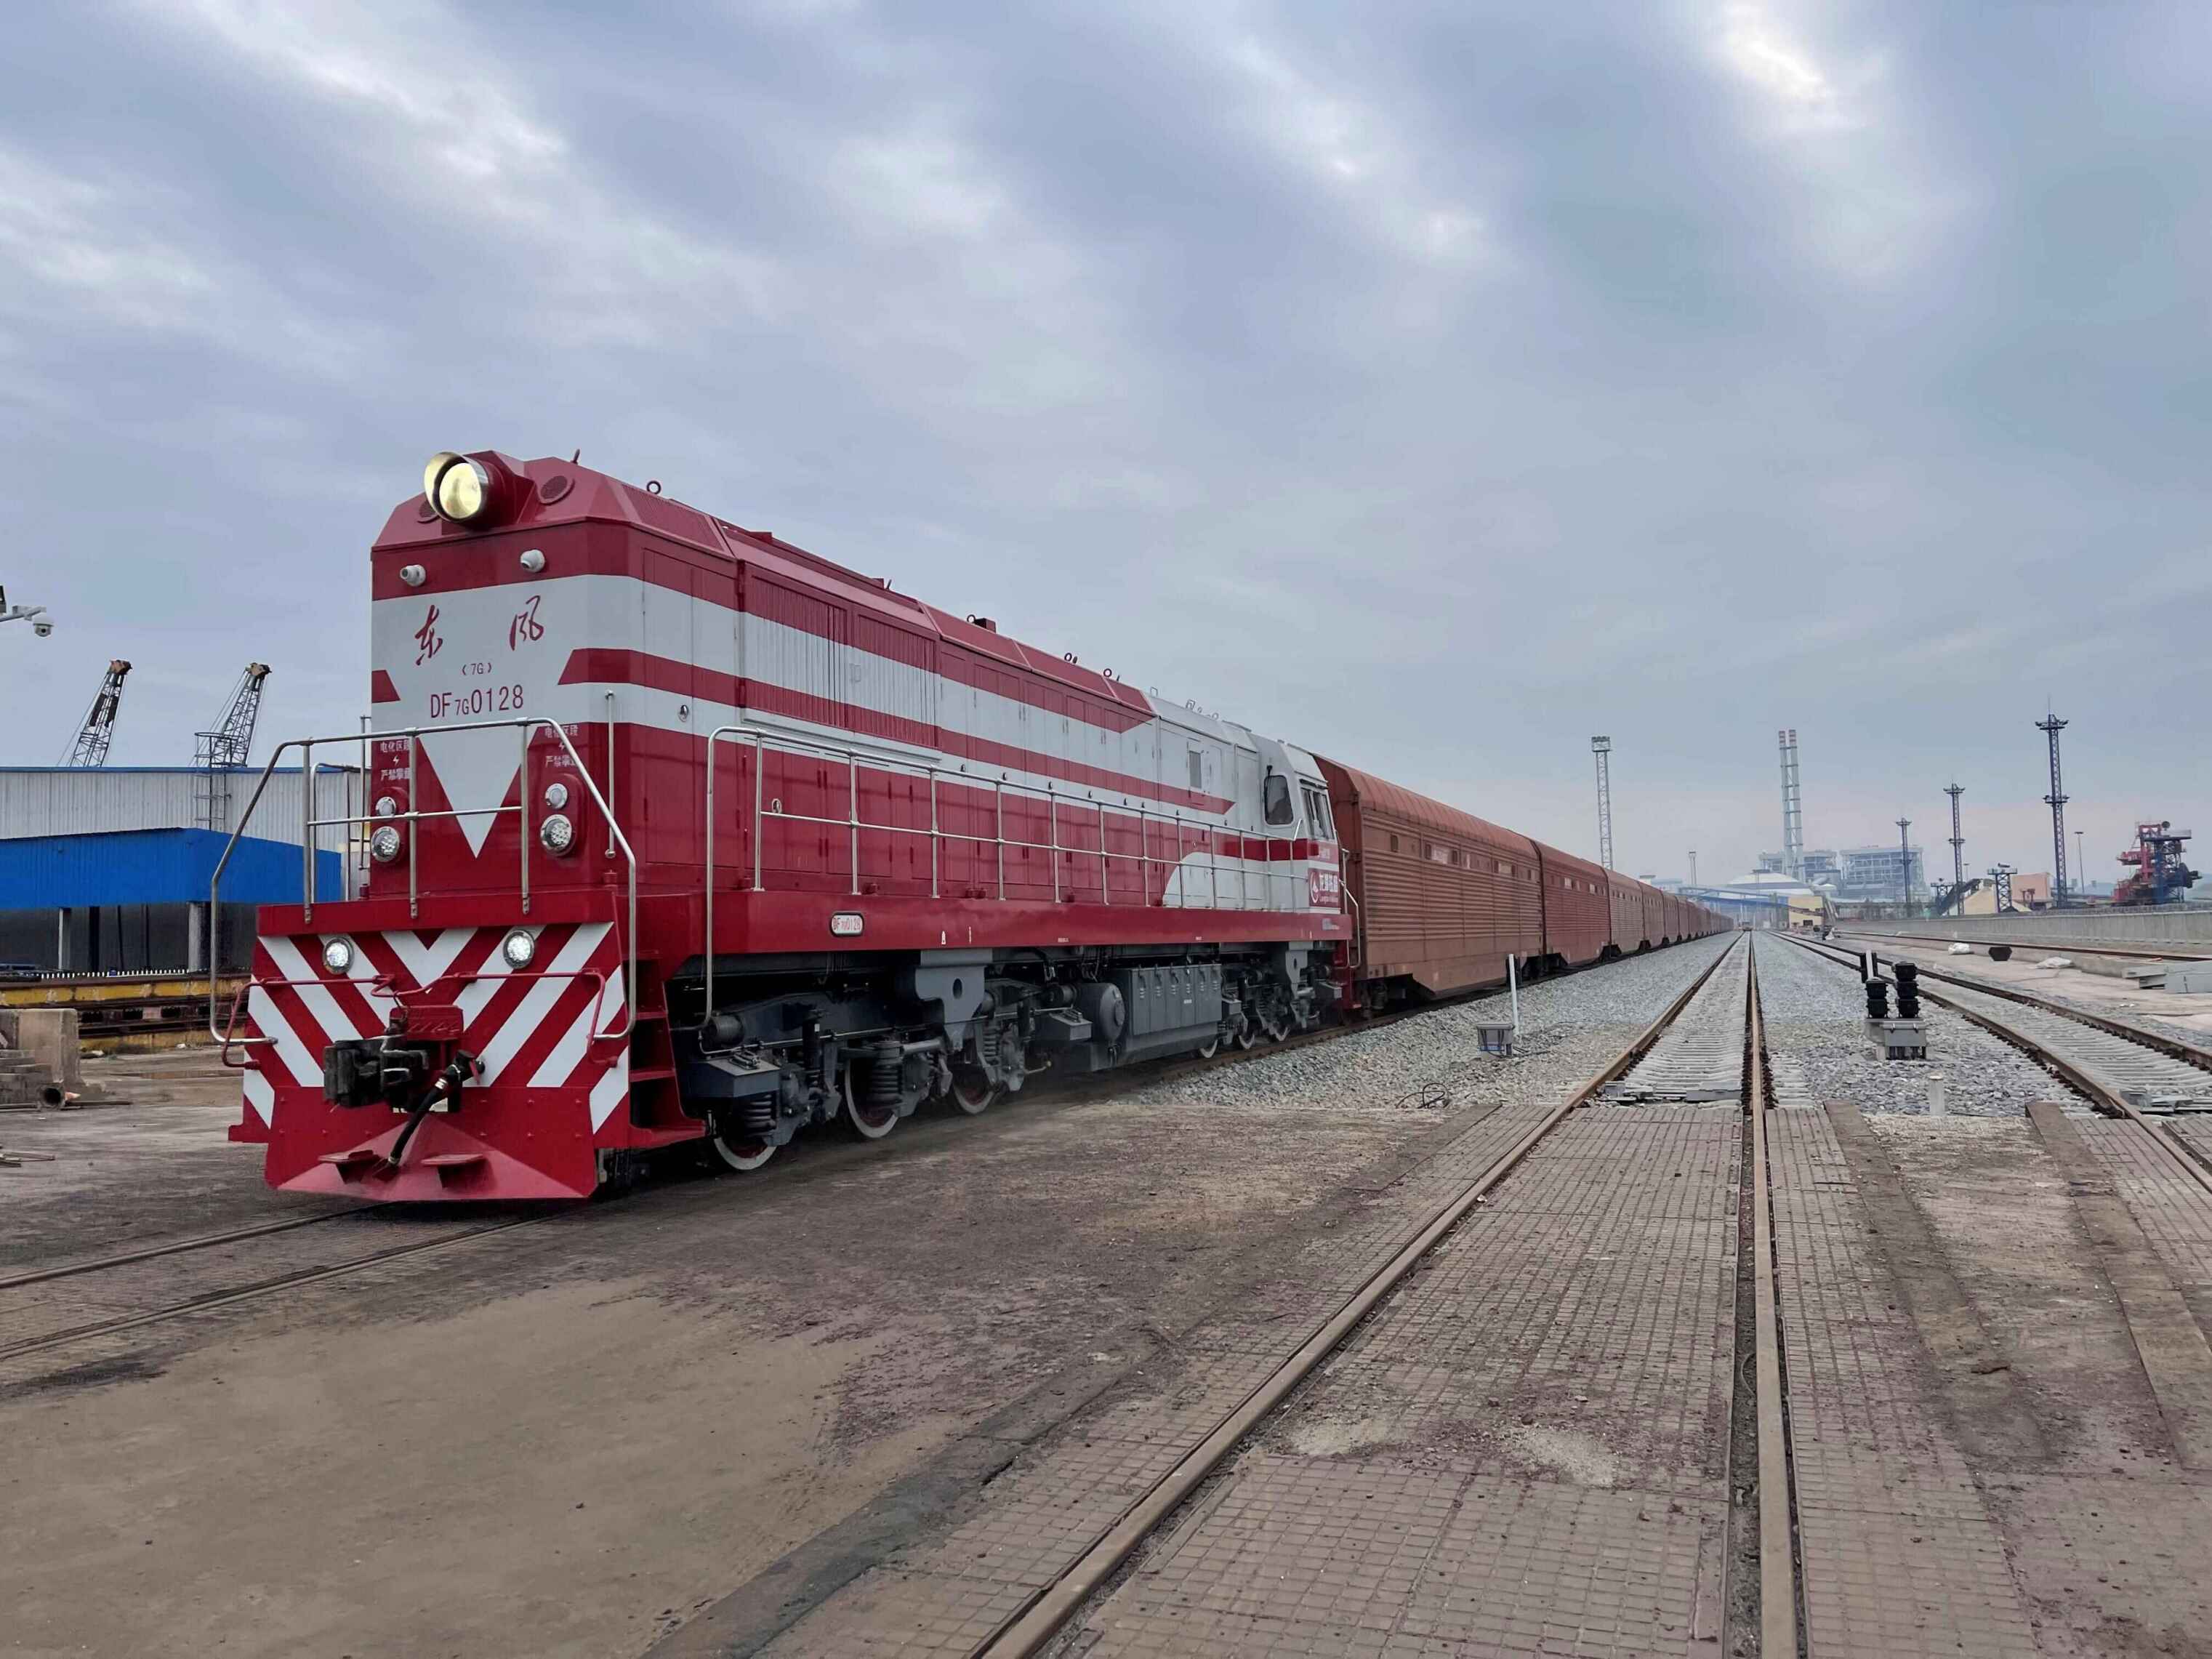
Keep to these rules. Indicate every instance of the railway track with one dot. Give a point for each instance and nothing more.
(2123, 1069)
(147, 1280)
(1705, 1044)
(33, 1321)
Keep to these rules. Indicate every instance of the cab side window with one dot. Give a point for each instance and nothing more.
(1317, 813)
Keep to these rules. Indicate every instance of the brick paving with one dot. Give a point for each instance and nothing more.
(2172, 1210)
(947, 1594)
(1901, 1555)
(1521, 1452)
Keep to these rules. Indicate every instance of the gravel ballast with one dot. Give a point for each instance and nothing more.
(1569, 1027)
(1818, 1049)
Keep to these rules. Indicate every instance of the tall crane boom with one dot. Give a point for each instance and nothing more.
(227, 745)
(98, 729)
(223, 751)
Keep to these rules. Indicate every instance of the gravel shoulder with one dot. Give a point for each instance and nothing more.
(1818, 1051)
(2188, 1018)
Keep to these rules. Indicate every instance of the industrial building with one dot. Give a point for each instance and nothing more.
(106, 869)
(1885, 873)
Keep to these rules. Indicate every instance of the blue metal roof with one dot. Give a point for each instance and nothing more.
(153, 866)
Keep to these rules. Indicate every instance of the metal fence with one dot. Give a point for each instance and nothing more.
(64, 800)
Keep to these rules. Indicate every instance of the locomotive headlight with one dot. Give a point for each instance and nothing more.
(556, 796)
(458, 488)
(519, 947)
(337, 955)
(384, 844)
(557, 833)
(385, 807)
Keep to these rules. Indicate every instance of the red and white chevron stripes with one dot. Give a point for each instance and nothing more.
(530, 1027)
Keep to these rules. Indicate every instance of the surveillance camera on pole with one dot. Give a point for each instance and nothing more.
(35, 615)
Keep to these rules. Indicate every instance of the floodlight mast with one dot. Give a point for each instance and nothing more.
(1602, 748)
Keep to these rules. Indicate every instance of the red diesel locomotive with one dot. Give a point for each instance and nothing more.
(678, 833)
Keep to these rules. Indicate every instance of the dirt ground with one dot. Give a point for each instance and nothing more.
(2107, 1532)
(563, 1437)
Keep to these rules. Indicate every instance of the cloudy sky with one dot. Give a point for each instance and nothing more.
(1433, 385)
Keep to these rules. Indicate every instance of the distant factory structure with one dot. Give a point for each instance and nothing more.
(1869, 874)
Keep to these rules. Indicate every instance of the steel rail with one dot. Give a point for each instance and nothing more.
(2172, 1047)
(2086, 1084)
(179, 1246)
(1031, 1626)
(246, 1292)
(1778, 1555)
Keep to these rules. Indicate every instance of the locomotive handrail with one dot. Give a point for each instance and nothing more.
(852, 759)
(525, 727)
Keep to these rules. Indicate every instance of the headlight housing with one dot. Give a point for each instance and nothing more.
(459, 491)
(556, 797)
(519, 947)
(337, 955)
(384, 843)
(385, 807)
(557, 833)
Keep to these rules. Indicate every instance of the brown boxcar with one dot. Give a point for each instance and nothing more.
(1439, 897)
(1626, 899)
(1578, 923)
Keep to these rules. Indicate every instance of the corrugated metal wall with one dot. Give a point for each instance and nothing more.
(155, 867)
(61, 800)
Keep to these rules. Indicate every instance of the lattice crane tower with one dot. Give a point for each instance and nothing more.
(2050, 726)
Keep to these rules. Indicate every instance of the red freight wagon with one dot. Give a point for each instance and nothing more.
(1577, 925)
(1439, 897)
(1625, 901)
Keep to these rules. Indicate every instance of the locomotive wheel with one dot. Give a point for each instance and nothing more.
(1247, 1032)
(972, 1091)
(1277, 1028)
(735, 1153)
(869, 1123)
(1213, 1048)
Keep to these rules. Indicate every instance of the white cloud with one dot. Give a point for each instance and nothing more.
(1754, 44)
(1350, 151)
(1873, 204)
(110, 251)
(446, 130)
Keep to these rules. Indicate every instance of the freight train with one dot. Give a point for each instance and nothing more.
(677, 833)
